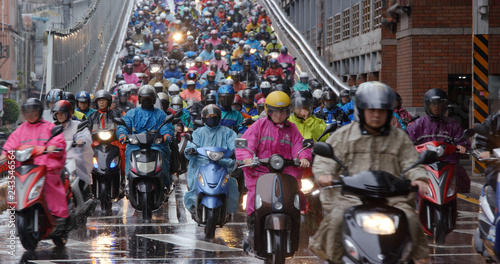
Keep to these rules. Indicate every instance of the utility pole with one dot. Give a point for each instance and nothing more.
(66, 12)
(480, 92)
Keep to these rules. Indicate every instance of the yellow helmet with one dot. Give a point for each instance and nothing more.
(277, 101)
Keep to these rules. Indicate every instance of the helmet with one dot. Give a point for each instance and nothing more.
(316, 85)
(213, 32)
(176, 103)
(54, 95)
(83, 96)
(209, 45)
(273, 61)
(210, 99)
(119, 77)
(284, 50)
(229, 82)
(32, 104)
(62, 106)
(223, 37)
(246, 49)
(265, 87)
(211, 109)
(277, 101)
(247, 63)
(248, 94)
(192, 75)
(235, 74)
(158, 87)
(344, 93)
(70, 97)
(190, 82)
(353, 90)
(137, 58)
(147, 91)
(374, 95)
(189, 38)
(251, 34)
(238, 100)
(317, 94)
(240, 57)
(103, 94)
(173, 90)
(331, 97)
(204, 91)
(192, 4)
(226, 94)
(437, 97)
(178, 22)
(241, 43)
(163, 16)
(198, 59)
(206, 14)
(304, 77)
(283, 88)
(399, 101)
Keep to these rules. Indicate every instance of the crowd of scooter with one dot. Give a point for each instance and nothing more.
(206, 89)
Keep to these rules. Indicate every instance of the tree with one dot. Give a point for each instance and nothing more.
(11, 111)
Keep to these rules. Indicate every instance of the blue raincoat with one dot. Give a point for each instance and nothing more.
(144, 120)
(206, 136)
(349, 107)
(232, 119)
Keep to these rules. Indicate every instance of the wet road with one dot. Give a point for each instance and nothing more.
(172, 237)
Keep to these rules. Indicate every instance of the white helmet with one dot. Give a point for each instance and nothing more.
(303, 75)
(173, 90)
(198, 59)
(163, 16)
(317, 93)
(146, 8)
(137, 58)
(265, 84)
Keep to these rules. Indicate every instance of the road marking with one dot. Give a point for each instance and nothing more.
(465, 231)
(467, 198)
(454, 254)
(442, 246)
(467, 214)
(189, 219)
(189, 242)
(172, 209)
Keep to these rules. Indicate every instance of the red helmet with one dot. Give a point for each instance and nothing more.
(238, 100)
(211, 74)
(62, 106)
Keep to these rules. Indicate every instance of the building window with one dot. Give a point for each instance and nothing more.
(336, 32)
(377, 13)
(346, 25)
(367, 9)
(355, 20)
(329, 31)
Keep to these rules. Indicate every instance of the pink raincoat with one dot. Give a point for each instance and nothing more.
(37, 134)
(221, 64)
(131, 79)
(200, 70)
(266, 138)
(215, 42)
(287, 59)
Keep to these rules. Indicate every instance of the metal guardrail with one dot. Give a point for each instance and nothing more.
(296, 38)
(77, 55)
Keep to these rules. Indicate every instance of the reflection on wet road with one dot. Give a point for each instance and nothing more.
(171, 237)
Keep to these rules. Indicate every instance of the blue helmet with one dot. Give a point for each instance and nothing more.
(83, 96)
(54, 95)
(226, 89)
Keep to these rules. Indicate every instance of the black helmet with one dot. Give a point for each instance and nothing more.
(210, 99)
(164, 100)
(103, 94)
(247, 63)
(315, 85)
(399, 101)
(439, 97)
(375, 95)
(344, 93)
(284, 50)
(70, 97)
(248, 94)
(209, 45)
(119, 77)
(32, 104)
(331, 97)
(62, 106)
(210, 110)
(147, 91)
(283, 88)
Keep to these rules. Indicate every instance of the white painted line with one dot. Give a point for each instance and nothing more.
(172, 209)
(189, 242)
(467, 214)
(442, 246)
(476, 185)
(465, 231)
(454, 254)
(189, 219)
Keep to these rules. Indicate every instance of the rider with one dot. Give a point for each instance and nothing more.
(238, 65)
(230, 117)
(129, 75)
(191, 93)
(272, 135)
(274, 70)
(214, 38)
(83, 101)
(83, 152)
(370, 144)
(272, 46)
(263, 34)
(176, 54)
(329, 111)
(208, 53)
(156, 51)
(219, 61)
(199, 66)
(173, 71)
(190, 45)
(284, 57)
(70, 97)
(36, 131)
(159, 79)
(265, 90)
(436, 126)
(248, 74)
(197, 107)
(348, 108)
(144, 119)
(303, 84)
(52, 97)
(403, 114)
(308, 125)
(249, 106)
(210, 81)
(176, 105)
(213, 134)
(237, 85)
(344, 98)
(123, 104)
(252, 41)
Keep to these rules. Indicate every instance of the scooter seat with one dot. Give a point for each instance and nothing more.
(491, 197)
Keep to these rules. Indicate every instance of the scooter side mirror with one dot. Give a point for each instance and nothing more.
(329, 129)
(307, 143)
(481, 130)
(167, 120)
(425, 157)
(3, 136)
(469, 132)
(119, 121)
(188, 137)
(198, 123)
(323, 149)
(240, 143)
(83, 125)
(55, 131)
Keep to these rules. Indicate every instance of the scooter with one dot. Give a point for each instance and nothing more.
(484, 237)
(212, 189)
(107, 177)
(34, 220)
(146, 183)
(374, 232)
(277, 207)
(438, 210)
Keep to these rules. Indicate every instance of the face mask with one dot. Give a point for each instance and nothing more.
(147, 104)
(190, 88)
(329, 106)
(274, 41)
(176, 108)
(262, 31)
(212, 121)
(172, 67)
(158, 23)
(252, 38)
(175, 51)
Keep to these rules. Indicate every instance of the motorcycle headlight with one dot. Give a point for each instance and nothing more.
(439, 149)
(159, 140)
(277, 162)
(451, 190)
(215, 155)
(225, 181)
(207, 63)
(23, 155)
(146, 167)
(252, 51)
(96, 165)
(37, 189)
(189, 33)
(155, 69)
(201, 180)
(177, 36)
(186, 129)
(307, 185)
(223, 53)
(377, 223)
(114, 162)
(104, 135)
(351, 248)
(258, 201)
(133, 141)
(274, 55)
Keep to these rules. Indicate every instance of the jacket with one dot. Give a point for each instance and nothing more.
(194, 95)
(231, 118)
(276, 72)
(312, 127)
(299, 86)
(221, 64)
(360, 151)
(266, 138)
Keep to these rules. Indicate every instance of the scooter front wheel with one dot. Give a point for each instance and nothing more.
(210, 227)
(146, 208)
(279, 247)
(27, 239)
(60, 241)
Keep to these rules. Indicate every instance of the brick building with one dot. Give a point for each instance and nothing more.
(8, 40)
(417, 46)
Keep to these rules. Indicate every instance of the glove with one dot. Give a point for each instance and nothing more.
(122, 138)
(191, 151)
(247, 122)
(167, 138)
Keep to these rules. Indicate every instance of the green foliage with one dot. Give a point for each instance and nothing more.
(11, 111)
